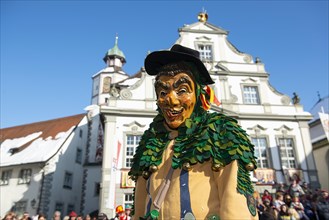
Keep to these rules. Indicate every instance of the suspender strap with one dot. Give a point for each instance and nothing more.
(149, 203)
(185, 200)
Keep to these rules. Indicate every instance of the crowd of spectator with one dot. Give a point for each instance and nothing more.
(121, 214)
(294, 202)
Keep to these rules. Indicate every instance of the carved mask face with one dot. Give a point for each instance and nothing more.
(176, 98)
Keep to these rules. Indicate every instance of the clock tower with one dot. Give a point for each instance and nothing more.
(112, 73)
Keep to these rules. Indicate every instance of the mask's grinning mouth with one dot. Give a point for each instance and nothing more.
(173, 112)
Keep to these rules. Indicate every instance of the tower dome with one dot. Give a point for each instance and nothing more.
(115, 52)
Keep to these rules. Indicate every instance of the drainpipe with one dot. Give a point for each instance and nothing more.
(40, 195)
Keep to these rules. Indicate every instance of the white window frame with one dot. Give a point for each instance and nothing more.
(128, 199)
(205, 50)
(68, 180)
(78, 156)
(261, 146)
(130, 148)
(5, 177)
(25, 176)
(250, 96)
(287, 152)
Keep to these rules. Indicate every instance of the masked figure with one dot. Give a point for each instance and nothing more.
(190, 164)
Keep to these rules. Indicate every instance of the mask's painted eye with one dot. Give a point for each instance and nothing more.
(182, 91)
(163, 93)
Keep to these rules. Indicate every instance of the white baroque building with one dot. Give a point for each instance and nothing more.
(83, 165)
(277, 125)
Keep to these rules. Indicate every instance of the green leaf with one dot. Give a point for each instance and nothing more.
(212, 127)
(232, 152)
(193, 160)
(188, 123)
(247, 154)
(239, 151)
(199, 157)
(207, 147)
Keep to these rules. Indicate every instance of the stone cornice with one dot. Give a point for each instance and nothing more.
(110, 111)
(247, 74)
(272, 117)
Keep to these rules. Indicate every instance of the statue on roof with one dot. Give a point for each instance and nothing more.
(295, 99)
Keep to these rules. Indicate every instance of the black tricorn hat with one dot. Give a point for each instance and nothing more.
(155, 60)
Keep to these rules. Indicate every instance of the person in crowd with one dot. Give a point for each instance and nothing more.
(87, 217)
(57, 215)
(306, 188)
(284, 213)
(127, 212)
(102, 216)
(295, 189)
(41, 216)
(325, 195)
(281, 187)
(298, 206)
(267, 195)
(119, 213)
(25, 216)
(322, 206)
(287, 199)
(306, 200)
(10, 216)
(278, 202)
(186, 148)
(73, 215)
(268, 212)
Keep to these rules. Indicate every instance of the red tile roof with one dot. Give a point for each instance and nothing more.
(48, 128)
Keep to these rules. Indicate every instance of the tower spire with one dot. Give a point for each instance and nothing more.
(116, 39)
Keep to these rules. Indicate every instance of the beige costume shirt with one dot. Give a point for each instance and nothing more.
(211, 193)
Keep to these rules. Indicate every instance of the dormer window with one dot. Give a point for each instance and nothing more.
(250, 95)
(205, 51)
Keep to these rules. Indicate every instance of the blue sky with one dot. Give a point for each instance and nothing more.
(51, 49)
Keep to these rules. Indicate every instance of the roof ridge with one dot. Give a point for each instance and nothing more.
(45, 121)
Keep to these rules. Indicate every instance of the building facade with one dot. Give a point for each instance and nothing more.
(319, 129)
(277, 124)
(41, 166)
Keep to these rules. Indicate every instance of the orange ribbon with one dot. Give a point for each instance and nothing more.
(212, 98)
